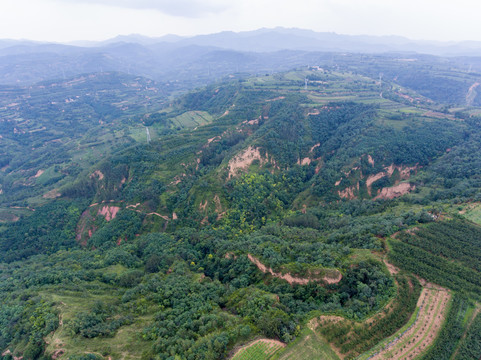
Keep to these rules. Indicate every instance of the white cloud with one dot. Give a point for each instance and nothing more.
(64, 20)
(182, 8)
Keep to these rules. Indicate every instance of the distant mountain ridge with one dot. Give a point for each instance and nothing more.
(279, 38)
(203, 59)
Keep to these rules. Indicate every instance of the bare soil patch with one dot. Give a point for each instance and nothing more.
(404, 96)
(57, 353)
(212, 139)
(39, 173)
(372, 179)
(404, 171)
(404, 174)
(52, 194)
(305, 161)
(315, 146)
(392, 269)
(132, 206)
(439, 115)
(243, 160)
(277, 98)
(98, 174)
(109, 212)
(253, 121)
(370, 160)
(395, 191)
(349, 192)
(84, 224)
(333, 278)
(203, 205)
(470, 96)
(165, 217)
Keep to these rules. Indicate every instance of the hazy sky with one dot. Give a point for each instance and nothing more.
(67, 20)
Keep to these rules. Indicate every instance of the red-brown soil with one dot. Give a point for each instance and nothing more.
(109, 212)
(395, 191)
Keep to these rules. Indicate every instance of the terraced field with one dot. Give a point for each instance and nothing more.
(420, 332)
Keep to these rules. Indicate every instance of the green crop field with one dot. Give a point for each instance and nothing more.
(192, 119)
(308, 346)
(260, 350)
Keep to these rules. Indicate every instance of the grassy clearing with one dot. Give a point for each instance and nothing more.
(359, 255)
(12, 215)
(472, 212)
(139, 134)
(395, 124)
(296, 75)
(126, 344)
(308, 346)
(48, 176)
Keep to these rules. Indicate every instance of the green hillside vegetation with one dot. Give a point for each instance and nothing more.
(179, 246)
(445, 253)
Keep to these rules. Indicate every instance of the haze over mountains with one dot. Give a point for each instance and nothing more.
(279, 38)
(210, 56)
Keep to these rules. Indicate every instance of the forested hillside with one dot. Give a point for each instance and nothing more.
(326, 208)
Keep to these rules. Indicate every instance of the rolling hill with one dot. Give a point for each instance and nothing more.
(321, 207)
